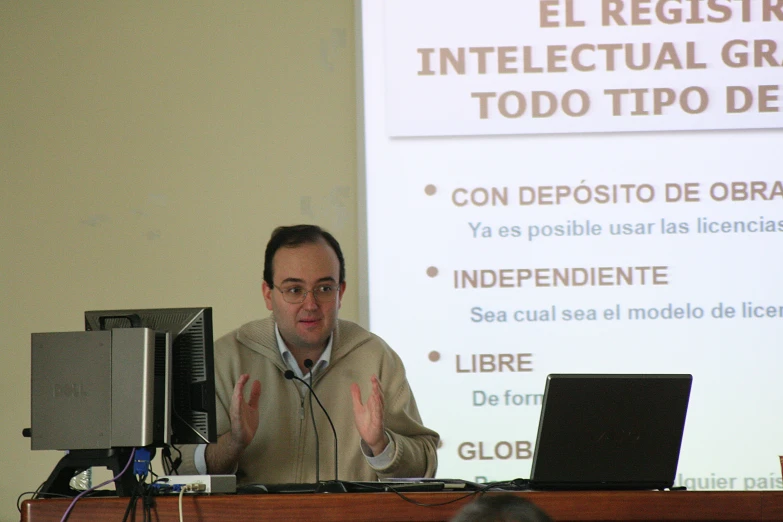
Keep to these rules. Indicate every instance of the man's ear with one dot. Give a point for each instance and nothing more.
(267, 291)
(340, 295)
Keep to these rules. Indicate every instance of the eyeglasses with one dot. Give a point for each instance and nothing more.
(297, 294)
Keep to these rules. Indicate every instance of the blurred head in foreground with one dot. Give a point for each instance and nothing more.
(501, 508)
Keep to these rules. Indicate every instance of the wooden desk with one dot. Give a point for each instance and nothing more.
(388, 507)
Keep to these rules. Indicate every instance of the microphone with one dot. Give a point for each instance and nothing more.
(309, 365)
(331, 486)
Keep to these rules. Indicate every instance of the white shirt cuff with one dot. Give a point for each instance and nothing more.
(383, 460)
(200, 459)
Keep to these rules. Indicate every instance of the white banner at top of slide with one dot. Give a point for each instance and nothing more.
(469, 67)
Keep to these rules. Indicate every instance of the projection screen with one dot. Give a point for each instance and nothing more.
(582, 186)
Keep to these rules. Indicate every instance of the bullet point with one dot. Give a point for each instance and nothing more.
(430, 190)
(434, 356)
(432, 271)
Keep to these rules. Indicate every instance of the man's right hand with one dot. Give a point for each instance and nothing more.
(223, 457)
(244, 415)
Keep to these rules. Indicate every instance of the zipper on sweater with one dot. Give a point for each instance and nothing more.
(302, 409)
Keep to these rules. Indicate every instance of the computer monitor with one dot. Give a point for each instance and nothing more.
(134, 379)
(192, 402)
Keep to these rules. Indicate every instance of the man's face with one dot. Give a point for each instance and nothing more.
(306, 325)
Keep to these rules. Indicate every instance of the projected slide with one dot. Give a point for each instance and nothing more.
(563, 186)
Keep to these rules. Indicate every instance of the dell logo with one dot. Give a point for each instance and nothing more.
(70, 390)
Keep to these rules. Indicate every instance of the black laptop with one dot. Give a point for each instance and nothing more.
(610, 431)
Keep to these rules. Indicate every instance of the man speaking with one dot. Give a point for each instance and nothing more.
(264, 418)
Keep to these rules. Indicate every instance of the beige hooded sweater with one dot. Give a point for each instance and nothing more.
(283, 449)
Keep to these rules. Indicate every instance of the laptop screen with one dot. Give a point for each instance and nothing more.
(610, 431)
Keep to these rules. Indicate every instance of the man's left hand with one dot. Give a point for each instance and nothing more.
(369, 416)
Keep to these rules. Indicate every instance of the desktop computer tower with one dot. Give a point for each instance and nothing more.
(100, 389)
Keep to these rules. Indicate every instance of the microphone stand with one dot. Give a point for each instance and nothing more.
(309, 365)
(327, 486)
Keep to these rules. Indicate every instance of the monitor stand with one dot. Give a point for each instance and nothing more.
(77, 461)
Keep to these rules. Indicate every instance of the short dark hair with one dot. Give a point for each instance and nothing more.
(501, 508)
(296, 235)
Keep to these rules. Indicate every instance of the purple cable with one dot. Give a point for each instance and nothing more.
(80, 495)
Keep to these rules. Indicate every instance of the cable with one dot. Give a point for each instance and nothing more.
(176, 462)
(138, 493)
(131, 508)
(148, 502)
(37, 494)
(171, 466)
(192, 487)
(291, 375)
(38, 490)
(181, 494)
(165, 459)
(142, 492)
(151, 473)
(490, 486)
(315, 429)
(386, 487)
(80, 495)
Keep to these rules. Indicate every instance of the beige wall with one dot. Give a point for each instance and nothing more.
(147, 150)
